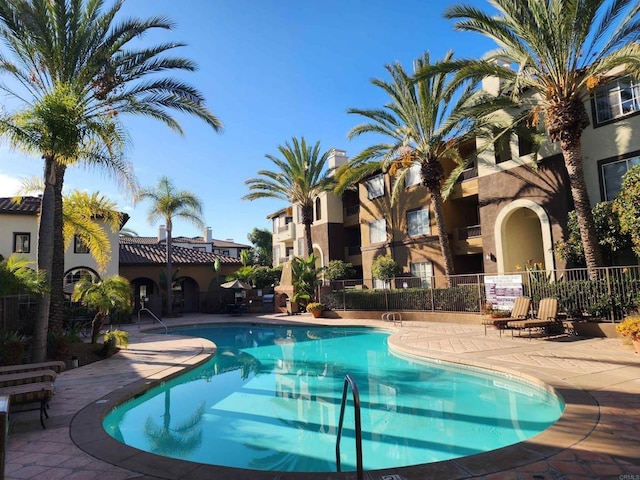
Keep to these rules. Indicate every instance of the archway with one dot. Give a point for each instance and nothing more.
(186, 295)
(523, 234)
(72, 276)
(146, 288)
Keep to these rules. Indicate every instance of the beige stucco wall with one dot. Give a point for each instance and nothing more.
(10, 224)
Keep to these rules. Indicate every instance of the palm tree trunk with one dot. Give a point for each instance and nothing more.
(56, 310)
(45, 258)
(572, 152)
(307, 220)
(445, 247)
(169, 275)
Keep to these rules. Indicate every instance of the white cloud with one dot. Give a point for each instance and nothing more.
(9, 185)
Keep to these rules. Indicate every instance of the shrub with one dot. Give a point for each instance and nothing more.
(630, 327)
(315, 306)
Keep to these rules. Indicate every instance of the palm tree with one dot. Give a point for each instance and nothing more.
(299, 178)
(423, 123)
(112, 294)
(75, 74)
(561, 51)
(169, 203)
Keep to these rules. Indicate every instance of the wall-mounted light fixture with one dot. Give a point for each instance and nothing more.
(491, 257)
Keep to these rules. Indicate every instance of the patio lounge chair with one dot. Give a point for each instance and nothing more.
(546, 316)
(29, 393)
(520, 311)
(56, 366)
(21, 378)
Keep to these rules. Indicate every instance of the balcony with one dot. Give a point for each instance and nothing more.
(351, 215)
(285, 233)
(353, 254)
(467, 184)
(467, 240)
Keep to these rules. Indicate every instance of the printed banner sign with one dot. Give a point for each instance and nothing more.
(502, 290)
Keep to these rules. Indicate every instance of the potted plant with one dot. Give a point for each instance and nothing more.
(315, 309)
(630, 328)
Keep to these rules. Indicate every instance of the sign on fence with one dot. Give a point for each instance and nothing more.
(502, 290)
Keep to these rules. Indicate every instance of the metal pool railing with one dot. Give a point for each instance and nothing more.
(350, 382)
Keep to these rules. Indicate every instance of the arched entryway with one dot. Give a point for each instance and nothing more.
(186, 295)
(523, 234)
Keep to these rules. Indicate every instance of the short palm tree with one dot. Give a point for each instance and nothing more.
(112, 294)
(561, 51)
(75, 74)
(168, 203)
(423, 123)
(300, 176)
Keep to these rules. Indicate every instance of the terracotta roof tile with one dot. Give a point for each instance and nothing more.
(154, 240)
(28, 206)
(150, 254)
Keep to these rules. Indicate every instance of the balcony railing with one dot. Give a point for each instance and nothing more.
(350, 210)
(468, 174)
(469, 232)
(353, 250)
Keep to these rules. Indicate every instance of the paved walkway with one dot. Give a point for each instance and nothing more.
(598, 437)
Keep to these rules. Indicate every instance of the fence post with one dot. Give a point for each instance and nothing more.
(612, 309)
(433, 305)
(480, 302)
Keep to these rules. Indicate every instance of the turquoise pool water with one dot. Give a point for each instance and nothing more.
(270, 400)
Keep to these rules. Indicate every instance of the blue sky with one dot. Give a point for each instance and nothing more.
(269, 70)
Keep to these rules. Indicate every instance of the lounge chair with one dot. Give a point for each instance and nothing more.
(56, 366)
(546, 316)
(520, 311)
(28, 393)
(21, 378)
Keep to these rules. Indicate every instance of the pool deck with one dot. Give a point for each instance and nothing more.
(598, 436)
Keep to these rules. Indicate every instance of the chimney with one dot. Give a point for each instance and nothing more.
(337, 158)
(162, 233)
(207, 235)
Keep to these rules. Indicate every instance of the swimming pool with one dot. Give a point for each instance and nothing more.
(270, 400)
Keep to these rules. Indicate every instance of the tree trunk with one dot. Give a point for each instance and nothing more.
(45, 258)
(169, 282)
(566, 120)
(445, 247)
(307, 220)
(56, 311)
(96, 326)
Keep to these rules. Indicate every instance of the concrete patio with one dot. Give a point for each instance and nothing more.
(598, 437)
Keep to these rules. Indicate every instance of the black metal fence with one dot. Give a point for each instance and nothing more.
(615, 292)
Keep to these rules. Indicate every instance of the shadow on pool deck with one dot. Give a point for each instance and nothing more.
(596, 437)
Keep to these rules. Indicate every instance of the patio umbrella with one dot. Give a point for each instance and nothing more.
(237, 284)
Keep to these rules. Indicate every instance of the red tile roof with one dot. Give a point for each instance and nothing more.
(28, 205)
(146, 253)
(194, 240)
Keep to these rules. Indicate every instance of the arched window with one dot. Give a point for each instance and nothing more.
(318, 209)
(75, 274)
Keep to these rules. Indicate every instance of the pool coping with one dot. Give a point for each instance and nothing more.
(578, 420)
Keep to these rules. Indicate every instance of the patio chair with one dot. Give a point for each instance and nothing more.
(22, 378)
(546, 316)
(56, 366)
(520, 311)
(29, 393)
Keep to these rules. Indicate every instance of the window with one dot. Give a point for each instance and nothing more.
(378, 231)
(375, 187)
(225, 252)
(525, 145)
(617, 99)
(502, 149)
(79, 246)
(276, 255)
(21, 242)
(413, 176)
(612, 174)
(424, 271)
(289, 252)
(418, 222)
(318, 209)
(73, 276)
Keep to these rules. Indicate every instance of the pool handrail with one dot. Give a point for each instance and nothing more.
(350, 382)
(144, 309)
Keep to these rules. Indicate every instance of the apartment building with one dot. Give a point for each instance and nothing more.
(505, 210)
(19, 234)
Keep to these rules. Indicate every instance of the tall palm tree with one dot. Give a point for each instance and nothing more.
(560, 52)
(75, 74)
(168, 203)
(299, 178)
(423, 123)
